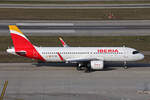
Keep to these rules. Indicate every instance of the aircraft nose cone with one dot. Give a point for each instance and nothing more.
(141, 56)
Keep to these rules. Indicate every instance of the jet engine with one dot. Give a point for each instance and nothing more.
(97, 64)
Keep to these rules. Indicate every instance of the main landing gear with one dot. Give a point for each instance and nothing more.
(87, 67)
(79, 67)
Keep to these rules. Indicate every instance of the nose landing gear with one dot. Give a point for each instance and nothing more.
(125, 65)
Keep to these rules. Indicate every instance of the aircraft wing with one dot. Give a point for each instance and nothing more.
(63, 42)
(74, 60)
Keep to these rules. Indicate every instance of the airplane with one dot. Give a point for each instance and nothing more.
(91, 58)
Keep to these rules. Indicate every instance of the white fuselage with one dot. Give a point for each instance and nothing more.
(50, 54)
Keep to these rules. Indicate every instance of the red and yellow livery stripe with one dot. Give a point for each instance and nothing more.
(21, 43)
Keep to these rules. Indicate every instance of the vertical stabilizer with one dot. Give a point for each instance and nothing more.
(22, 45)
(19, 39)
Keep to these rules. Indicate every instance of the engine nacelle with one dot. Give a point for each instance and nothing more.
(97, 64)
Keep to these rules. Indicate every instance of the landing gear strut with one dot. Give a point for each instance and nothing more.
(87, 68)
(125, 65)
(79, 67)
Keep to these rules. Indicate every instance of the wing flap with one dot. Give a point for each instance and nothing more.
(80, 59)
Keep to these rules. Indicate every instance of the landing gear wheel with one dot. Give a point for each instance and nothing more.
(79, 67)
(88, 68)
(125, 67)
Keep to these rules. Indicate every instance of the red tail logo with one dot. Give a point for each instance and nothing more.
(22, 45)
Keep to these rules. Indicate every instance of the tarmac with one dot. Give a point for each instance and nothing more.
(58, 81)
(73, 0)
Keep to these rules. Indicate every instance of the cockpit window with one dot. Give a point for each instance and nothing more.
(135, 52)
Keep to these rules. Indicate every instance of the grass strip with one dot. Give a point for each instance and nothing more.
(141, 43)
(74, 14)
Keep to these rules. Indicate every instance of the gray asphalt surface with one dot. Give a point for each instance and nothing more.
(73, 0)
(28, 81)
(73, 6)
(80, 28)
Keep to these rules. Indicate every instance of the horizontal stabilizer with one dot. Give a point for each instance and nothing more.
(22, 53)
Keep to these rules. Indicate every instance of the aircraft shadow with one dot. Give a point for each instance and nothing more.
(61, 64)
(129, 64)
(108, 65)
(55, 64)
(113, 65)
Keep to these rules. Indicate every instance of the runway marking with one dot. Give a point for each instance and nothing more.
(45, 24)
(4, 90)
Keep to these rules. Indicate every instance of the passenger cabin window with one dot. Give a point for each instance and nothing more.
(135, 52)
